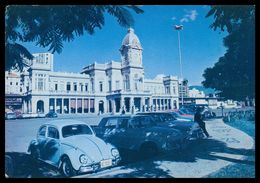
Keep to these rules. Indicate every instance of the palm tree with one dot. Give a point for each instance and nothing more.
(51, 25)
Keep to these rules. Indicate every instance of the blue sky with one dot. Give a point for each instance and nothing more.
(200, 46)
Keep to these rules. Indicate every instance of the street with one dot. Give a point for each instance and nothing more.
(227, 145)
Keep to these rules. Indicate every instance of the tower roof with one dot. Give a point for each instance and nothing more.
(131, 39)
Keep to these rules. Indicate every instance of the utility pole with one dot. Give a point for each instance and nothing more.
(179, 28)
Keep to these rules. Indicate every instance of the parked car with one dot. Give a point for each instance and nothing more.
(190, 129)
(18, 114)
(51, 114)
(72, 147)
(139, 134)
(10, 115)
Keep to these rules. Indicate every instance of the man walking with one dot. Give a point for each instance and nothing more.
(199, 120)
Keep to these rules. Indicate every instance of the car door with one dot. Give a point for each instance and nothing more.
(120, 137)
(41, 139)
(52, 146)
(133, 135)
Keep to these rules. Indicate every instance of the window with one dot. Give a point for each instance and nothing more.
(117, 85)
(72, 130)
(136, 84)
(174, 90)
(40, 84)
(11, 83)
(75, 86)
(111, 122)
(92, 85)
(81, 87)
(101, 86)
(127, 82)
(109, 86)
(86, 87)
(123, 123)
(42, 131)
(53, 133)
(16, 83)
(56, 87)
(167, 90)
(68, 86)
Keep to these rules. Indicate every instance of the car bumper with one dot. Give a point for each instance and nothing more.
(97, 166)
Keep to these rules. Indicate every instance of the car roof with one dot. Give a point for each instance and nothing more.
(121, 116)
(144, 113)
(64, 122)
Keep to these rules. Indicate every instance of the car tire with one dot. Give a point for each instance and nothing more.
(66, 168)
(9, 166)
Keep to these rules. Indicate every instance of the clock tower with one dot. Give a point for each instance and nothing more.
(131, 50)
(132, 65)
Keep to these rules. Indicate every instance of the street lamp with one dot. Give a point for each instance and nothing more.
(179, 28)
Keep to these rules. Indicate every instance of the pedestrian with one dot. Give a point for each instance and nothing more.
(199, 120)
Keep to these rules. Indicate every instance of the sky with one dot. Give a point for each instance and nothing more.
(200, 45)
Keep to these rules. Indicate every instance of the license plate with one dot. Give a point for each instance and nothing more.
(106, 163)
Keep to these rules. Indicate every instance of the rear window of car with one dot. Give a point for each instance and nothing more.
(42, 131)
(53, 133)
(71, 130)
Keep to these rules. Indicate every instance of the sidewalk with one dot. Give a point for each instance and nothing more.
(227, 145)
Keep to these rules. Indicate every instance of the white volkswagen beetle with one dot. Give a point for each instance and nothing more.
(72, 147)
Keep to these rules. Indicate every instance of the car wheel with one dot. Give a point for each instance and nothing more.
(66, 168)
(9, 166)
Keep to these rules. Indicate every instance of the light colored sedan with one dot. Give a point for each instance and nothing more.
(72, 147)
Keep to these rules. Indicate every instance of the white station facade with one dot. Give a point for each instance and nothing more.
(99, 88)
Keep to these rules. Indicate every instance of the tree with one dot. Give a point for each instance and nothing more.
(49, 26)
(234, 73)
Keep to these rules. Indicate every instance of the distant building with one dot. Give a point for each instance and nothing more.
(13, 90)
(98, 88)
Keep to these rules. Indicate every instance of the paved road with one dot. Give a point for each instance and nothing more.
(227, 145)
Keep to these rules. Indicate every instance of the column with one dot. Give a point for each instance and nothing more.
(30, 105)
(172, 104)
(24, 107)
(142, 104)
(76, 105)
(113, 106)
(54, 104)
(82, 105)
(69, 106)
(62, 107)
(122, 103)
(88, 105)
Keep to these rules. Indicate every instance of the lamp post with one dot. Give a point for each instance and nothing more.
(179, 28)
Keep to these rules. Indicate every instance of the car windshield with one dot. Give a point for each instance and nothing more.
(71, 130)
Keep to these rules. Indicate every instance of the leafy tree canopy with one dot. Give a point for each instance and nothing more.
(50, 26)
(234, 73)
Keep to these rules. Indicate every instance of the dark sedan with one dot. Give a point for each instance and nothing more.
(51, 114)
(139, 133)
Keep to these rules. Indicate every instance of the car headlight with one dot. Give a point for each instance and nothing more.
(83, 159)
(114, 152)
